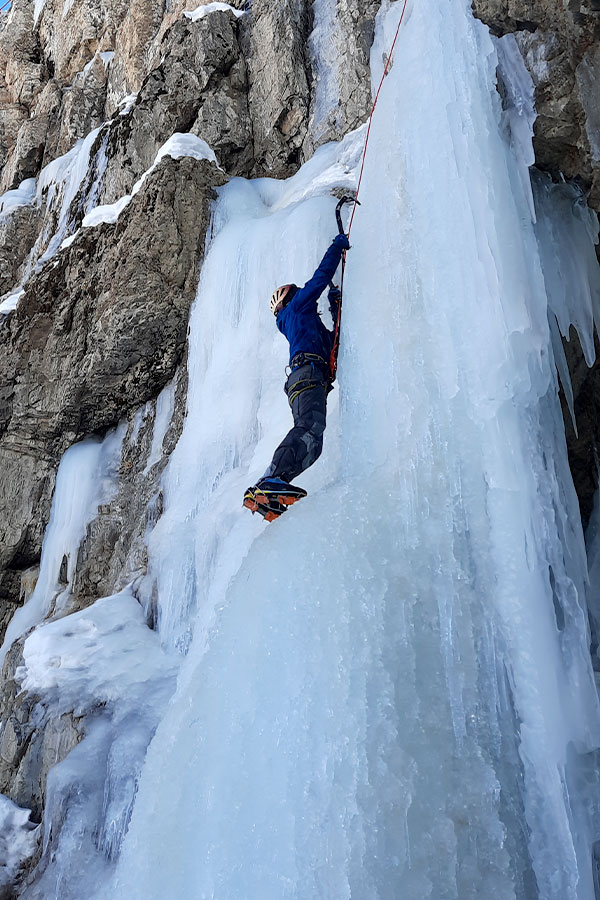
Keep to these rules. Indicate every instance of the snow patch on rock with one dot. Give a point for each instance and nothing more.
(196, 14)
(177, 146)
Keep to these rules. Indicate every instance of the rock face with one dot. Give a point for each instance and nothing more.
(31, 740)
(96, 334)
(199, 87)
(18, 232)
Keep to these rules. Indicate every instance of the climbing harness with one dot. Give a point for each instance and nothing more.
(386, 69)
(301, 359)
(306, 384)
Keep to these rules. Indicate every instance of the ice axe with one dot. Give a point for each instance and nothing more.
(338, 218)
(338, 211)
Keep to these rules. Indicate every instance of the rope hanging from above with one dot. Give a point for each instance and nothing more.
(386, 69)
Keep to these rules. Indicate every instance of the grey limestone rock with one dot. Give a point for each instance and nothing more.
(18, 232)
(350, 27)
(275, 41)
(32, 740)
(200, 85)
(139, 28)
(82, 107)
(99, 331)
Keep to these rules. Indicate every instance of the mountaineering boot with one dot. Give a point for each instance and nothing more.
(280, 490)
(268, 509)
(271, 497)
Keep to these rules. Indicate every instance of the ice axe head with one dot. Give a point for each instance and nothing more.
(338, 211)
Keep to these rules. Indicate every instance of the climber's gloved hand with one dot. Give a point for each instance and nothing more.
(335, 298)
(341, 241)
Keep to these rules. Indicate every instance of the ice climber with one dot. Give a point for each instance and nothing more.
(307, 385)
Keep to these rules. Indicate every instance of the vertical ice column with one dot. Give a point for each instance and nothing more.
(85, 479)
(385, 690)
(458, 315)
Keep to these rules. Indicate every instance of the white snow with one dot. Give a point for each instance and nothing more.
(68, 241)
(107, 665)
(94, 656)
(201, 11)
(176, 146)
(24, 195)
(38, 6)
(127, 103)
(10, 301)
(106, 56)
(17, 840)
(107, 212)
(179, 145)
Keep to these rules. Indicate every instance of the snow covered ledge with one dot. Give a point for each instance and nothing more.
(177, 146)
(202, 11)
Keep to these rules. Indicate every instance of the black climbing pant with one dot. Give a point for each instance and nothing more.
(307, 389)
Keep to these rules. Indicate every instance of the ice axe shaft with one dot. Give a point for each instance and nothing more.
(338, 211)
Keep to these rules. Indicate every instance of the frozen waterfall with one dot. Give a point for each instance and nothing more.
(388, 693)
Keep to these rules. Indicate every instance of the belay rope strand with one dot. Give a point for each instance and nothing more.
(386, 69)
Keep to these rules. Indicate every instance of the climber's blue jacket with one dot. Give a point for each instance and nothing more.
(299, 321)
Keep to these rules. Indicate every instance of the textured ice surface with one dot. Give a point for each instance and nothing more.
(17, 840)
(388, 692)
(518, 98)
(85, 479)
(106, 666)
(165, 404)
(325, 45)
(58, 184)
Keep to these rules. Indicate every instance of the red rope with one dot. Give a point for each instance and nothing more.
(386, 69)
